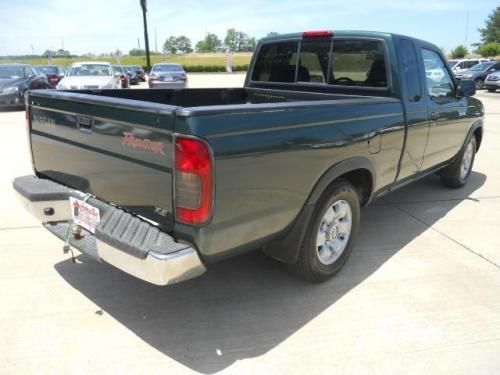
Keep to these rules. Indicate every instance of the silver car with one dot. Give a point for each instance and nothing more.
(167, 76)
(492, 82)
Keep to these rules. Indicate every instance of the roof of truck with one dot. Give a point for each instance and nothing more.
(373, 34)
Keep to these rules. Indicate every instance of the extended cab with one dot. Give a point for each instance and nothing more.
(163, 183)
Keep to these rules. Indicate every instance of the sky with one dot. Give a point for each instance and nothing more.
(102, 26)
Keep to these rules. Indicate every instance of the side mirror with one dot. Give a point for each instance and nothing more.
(466, 88)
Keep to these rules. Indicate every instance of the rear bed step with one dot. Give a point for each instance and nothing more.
(121, 239)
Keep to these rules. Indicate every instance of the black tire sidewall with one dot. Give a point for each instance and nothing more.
(342, 190)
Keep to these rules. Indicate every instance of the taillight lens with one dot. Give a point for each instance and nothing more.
(193, 181)
(153, 77)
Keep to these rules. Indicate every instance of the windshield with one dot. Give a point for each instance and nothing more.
(90, 70)
(47, 69)
(168, 69)
(11, 71)
(482, 66)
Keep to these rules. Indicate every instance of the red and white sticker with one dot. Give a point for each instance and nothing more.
(84, 214)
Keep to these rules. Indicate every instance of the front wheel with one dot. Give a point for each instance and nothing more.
(479, 83)
(456, 175)
(330, 235)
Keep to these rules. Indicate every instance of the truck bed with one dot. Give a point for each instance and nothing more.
(117, 144)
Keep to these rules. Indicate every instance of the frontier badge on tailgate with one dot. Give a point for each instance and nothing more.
(130, 140)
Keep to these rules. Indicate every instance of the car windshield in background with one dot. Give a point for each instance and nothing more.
(168, 69)
(452, 63)
(47, 69)
(11, 71)
(89, 70)
(348, 63)
(117, 68)
(482, 66)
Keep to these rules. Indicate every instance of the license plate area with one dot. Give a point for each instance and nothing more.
(84, 214)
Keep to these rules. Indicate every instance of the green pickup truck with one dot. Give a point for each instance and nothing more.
(163, 183)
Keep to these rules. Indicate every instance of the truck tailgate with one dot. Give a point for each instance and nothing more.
(118, 150)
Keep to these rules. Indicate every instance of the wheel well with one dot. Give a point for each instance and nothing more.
(478, 133)
(362, 180)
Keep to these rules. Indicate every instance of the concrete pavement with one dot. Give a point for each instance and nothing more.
(420, 293)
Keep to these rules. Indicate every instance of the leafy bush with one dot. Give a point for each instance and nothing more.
(489, 49)
(459, 52)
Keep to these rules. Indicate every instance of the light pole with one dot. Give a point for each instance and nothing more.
(146, 39)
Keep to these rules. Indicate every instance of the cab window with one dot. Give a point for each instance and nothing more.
(439, 83)
(313, 62)
(276, 63)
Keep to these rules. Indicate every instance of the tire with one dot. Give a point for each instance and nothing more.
(479, 84)
(492, 90)
(455, 176)
(315, 262)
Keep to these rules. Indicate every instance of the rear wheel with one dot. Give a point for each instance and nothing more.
(492, 90)
(330, 235)
(479, 83)
(456, 175)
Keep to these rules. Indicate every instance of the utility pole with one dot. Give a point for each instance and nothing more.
(156, 42)
(466, 28)
(138, 44)
(146, 39)
(62, 43)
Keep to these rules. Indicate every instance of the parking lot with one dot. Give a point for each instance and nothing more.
(420, 293)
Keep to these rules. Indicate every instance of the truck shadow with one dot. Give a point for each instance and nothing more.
(246, 306)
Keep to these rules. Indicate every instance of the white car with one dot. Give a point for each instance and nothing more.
(460, 66)
(91, 75)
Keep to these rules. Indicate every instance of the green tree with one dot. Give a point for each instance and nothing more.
(209, 44)
(231, 39)
(489, 49)
(459, 52)
(170, 45)
(491, 32)
(238, 41)
(184, 44)
(177, 44)
(137, 52)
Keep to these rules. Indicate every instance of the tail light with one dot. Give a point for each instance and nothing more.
(183, 77)
(153, 76)
(194, 191)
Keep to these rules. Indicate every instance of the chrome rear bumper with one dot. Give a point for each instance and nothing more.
(161, 262)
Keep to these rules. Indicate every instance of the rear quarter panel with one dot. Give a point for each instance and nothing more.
(269, 158)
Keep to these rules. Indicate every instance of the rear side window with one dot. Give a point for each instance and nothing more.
(358, 63)
(347, 62)
(410, 70)
(276, 63)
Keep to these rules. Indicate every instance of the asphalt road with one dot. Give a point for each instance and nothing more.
(420, 294)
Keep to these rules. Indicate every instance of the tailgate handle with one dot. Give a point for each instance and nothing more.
(85, 123)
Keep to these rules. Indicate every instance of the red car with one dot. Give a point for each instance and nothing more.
(119, 71)
(54, 73)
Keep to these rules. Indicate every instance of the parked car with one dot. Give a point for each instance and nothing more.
(132, 75)
(459, 66)
(182, 179)
(119, 72)
(492, 82)
(479, 72)
(167, 75)
(141, 75)
(15, 80)
(89, 76)
(54, 73)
